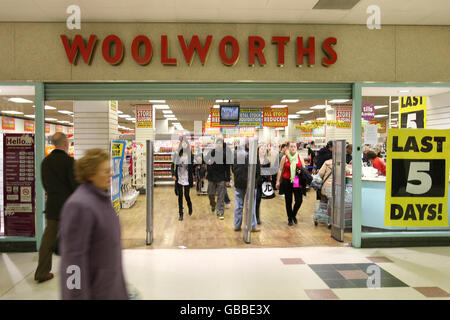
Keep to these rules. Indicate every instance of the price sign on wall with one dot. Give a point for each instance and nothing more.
(144, 117)
(413, 112)
(417, 178)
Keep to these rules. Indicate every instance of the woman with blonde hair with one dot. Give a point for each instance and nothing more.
(90, 244)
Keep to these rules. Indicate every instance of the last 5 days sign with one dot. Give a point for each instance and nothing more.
(417, 178)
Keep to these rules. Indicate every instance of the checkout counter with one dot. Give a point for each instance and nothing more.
(373, 205)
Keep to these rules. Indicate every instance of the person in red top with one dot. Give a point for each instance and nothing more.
(377, 163)
(289, 165)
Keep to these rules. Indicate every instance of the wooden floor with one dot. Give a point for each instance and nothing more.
(205, 230)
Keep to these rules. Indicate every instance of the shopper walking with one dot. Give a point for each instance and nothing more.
(324, 154)
(311, 153)
(91, 249)
(348, 153)
(289, 168)
(183, 174)
(240, 172)
(219, 162)
(59, 183)
(263, 163)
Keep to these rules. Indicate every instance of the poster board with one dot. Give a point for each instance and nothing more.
(417, 178)
(117, 156)
(413, 112)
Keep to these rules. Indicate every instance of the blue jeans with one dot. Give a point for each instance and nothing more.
(239, 208)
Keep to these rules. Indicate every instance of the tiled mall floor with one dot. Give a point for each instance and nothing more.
(275, 273)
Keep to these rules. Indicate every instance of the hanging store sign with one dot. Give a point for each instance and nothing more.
(117, 156)
(275, 117)
(28, 126)
(19, 184)
(232, 132)
(251, 117)
(70, 130)
(144, 117)
(382, 125)
(248, 132)
(215, 119)
(413, 112)
(228, 49)
(47, 128)
(343, 117)
(58, 128)
(8, 123)
(417, 178)
(209, 130)
(368, 111)
(319, 132)
(113, 105)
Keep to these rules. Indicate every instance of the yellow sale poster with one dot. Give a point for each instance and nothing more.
(417, 178)
(413, 112)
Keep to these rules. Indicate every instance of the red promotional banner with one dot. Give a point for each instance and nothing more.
(144, 117)
(215, 118)
(382, 125)
(8, 123)
(19, 184)
(47, 128)
(28, 126)
(344, 117)
(275, 117)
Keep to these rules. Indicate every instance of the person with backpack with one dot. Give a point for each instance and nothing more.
(289, 168)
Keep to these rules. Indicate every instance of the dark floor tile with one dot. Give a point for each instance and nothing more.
(379, 259)
(359, 283)
(322, 267)
(433, 292)
(346, 266)
(330, 275)
(292, 261)
(321, 294)
(353, 274)
(339, 284)
(364, 266)
(392, 282)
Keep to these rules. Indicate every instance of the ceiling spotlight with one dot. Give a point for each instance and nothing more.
(293, 116)
(395, 112)
(161, 106)
(404, 91)
(12, 112)
(51, 119)
(290, 100)
(19, 100)
(305, 111)
(216, 106)
(167, 111)
(380, 107)
(381, 115)
(339, 100)
(65, 112)
(157, 101)
(223, 101)
(124, 116)
(396, 101)
(318, 107)
(29, 116)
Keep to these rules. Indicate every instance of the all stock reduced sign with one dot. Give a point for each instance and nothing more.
(417, 178)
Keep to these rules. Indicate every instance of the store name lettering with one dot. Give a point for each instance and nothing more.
(113, 50)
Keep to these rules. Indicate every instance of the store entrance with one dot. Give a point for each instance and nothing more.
(192, 121)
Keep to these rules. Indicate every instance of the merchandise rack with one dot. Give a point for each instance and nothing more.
(162, 170)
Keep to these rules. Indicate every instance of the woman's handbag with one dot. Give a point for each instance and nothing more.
(267, 190)
(296, 181)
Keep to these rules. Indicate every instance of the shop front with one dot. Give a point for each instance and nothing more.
(142, 62)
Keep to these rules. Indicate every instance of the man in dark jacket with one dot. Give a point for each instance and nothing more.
(219, 161)
(240, 172)
(59, 183)
(324, 154)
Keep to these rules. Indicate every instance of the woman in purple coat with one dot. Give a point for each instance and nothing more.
(91, 251)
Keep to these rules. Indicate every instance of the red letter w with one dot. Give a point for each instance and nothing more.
(195, 45)
(78, 45)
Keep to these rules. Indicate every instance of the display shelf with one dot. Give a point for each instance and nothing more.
(163, 153)
(162, 161)
(163, 177)
(161, 169)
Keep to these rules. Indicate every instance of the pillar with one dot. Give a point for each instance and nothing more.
(95, 126)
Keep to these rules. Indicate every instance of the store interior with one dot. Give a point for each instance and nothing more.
(309, 120)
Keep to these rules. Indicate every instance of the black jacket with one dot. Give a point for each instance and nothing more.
(323, 155)
(218, 172)
(59, 181)
(174, 169)
(240, 171)
(305, 179)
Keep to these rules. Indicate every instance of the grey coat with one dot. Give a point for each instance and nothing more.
(90, 239)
